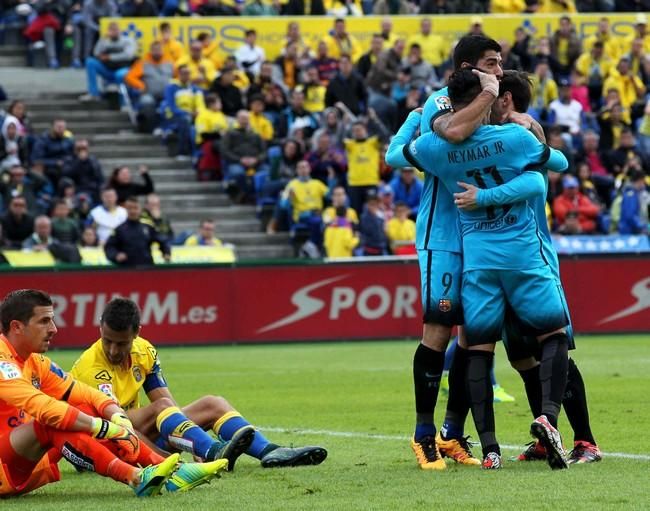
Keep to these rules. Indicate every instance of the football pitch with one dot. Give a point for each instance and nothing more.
(356, 400)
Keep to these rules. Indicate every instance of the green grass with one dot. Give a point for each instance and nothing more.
(365, 388)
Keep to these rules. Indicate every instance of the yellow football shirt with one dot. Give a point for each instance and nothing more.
(120, 382)
(363, 161)
(306, 196)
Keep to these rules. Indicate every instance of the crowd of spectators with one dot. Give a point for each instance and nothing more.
(286, 133)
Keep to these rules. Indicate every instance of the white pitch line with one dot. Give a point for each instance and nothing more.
(404, 438)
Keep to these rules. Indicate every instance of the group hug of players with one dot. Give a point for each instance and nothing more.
(487, 263)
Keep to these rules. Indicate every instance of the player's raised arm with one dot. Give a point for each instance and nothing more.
(457, 126)
(395, 153)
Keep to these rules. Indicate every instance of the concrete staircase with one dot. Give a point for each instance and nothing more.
(184, 199)
(11, 55)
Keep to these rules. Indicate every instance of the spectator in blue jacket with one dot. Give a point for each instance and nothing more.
(407, 188)
(130, 243)
(374, 241)
(634, 206)
(52, 149)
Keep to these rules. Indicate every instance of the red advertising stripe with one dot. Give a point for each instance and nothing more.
(308, 302)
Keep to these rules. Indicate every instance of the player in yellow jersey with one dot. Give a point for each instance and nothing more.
(122, 362)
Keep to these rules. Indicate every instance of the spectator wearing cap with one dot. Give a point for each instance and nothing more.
(202, 70)
(573, 212)
(629, 86)
(112, 57)
(106, 216)
(374, 241)
(347, 87)
(230, 95)
(565, 111)
(86, 28)
(407, 188)
(340, 200)
(249, 55)
(635, 205)
(340, 239)
(640, 26)
(595, 66)
(566, 46)
(401, 231)
(386, 202)
(51, 150)
(131, 242)
(17, 223)
(84, 170)
(183, 103)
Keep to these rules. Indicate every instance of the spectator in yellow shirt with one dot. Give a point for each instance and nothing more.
(306, 195)
(630, 87)
(340, 42)
(202, 70)
(172, 49)
(612, 45)
(507, 6)
(595, 66)
(339, 200)
(259, 123)
(210, 50)
(401, 231)
(204, 237)
(434, 48)
(363, 155)
(544, 89)
(340, 239)
(386, 31)
(640, 32)
(553, 6)
(211, 123)
(314, 91)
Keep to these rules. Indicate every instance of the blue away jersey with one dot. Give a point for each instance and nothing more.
(436, 226)
(505, 237)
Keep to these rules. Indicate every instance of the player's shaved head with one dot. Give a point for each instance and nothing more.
(121, 314)
(19, 306)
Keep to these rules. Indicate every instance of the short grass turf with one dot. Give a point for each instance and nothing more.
(356, 400)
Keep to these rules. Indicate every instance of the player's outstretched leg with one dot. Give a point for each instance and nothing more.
(585, 449)
(482, 404)
(191, 475)
(183, 434)
(271, 455)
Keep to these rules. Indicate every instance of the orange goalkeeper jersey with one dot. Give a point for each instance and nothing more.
(36, 388)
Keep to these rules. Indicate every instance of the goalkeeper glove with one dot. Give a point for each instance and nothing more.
(121, 419)
(103, 429)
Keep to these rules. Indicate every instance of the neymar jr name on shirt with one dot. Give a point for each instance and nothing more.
(474, 153)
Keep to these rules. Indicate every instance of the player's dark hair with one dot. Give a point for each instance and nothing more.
(471, 48)
(518, 84)
(19, 305)
(463, 87)
(121, 314)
